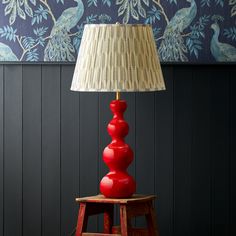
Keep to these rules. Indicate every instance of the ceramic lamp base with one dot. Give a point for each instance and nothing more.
(118, 156)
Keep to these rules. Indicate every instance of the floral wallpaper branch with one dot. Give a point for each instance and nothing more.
(185, 30)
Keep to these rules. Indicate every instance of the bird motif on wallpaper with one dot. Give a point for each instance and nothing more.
(59, 47)
(221, 51)
(172, 47)
(6, 54)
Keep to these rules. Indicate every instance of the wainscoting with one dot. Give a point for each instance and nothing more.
(51, 141)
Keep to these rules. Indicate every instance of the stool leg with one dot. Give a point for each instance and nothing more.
(151, 221)
(123, 220)
(82, 220)
(108, 219)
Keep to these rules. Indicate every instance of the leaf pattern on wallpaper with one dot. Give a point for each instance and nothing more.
(107, 2)
(230, 33)
(92, 2)
(233, 9)
(131, 8)
(172, 1)
(39, 33)
(153, 15)
(60, 1)
(18, 7)
(40, 14)
(194, 40)
(51, 30)
(209, 3)
(8, 32)
(95, 3)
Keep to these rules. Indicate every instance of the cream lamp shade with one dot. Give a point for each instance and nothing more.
(117, 57)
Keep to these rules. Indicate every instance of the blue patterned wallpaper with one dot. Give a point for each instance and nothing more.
(185, 30)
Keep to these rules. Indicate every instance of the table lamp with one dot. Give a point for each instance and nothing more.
(117, 58)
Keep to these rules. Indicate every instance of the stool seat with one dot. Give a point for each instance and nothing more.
(137, 205)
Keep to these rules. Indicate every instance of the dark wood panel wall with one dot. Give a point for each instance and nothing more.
(51, 140)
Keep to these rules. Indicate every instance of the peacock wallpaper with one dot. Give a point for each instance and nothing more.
(194, 31)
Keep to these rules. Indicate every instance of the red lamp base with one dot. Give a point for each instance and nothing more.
(118, 156)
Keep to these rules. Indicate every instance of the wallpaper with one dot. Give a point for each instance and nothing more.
(195, 31)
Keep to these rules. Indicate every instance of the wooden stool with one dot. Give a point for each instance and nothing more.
(138, 205)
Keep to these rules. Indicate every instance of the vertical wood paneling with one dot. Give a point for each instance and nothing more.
(232, 163)
(51, 202)
(69, 151)
(164, 154)
(220, 150)
(200, 153)
(1, 147)
(89, 147)
(182, 149)
(145, 147)
(184, 139)
(88, 143)
(145, 142)
(32, 150)
(13, 151)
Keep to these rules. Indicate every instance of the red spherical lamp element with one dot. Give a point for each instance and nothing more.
(118, 156)
(117, 58)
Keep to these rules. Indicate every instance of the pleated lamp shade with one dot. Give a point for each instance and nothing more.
(117, 57)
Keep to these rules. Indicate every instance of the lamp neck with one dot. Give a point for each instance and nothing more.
(117, 95)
